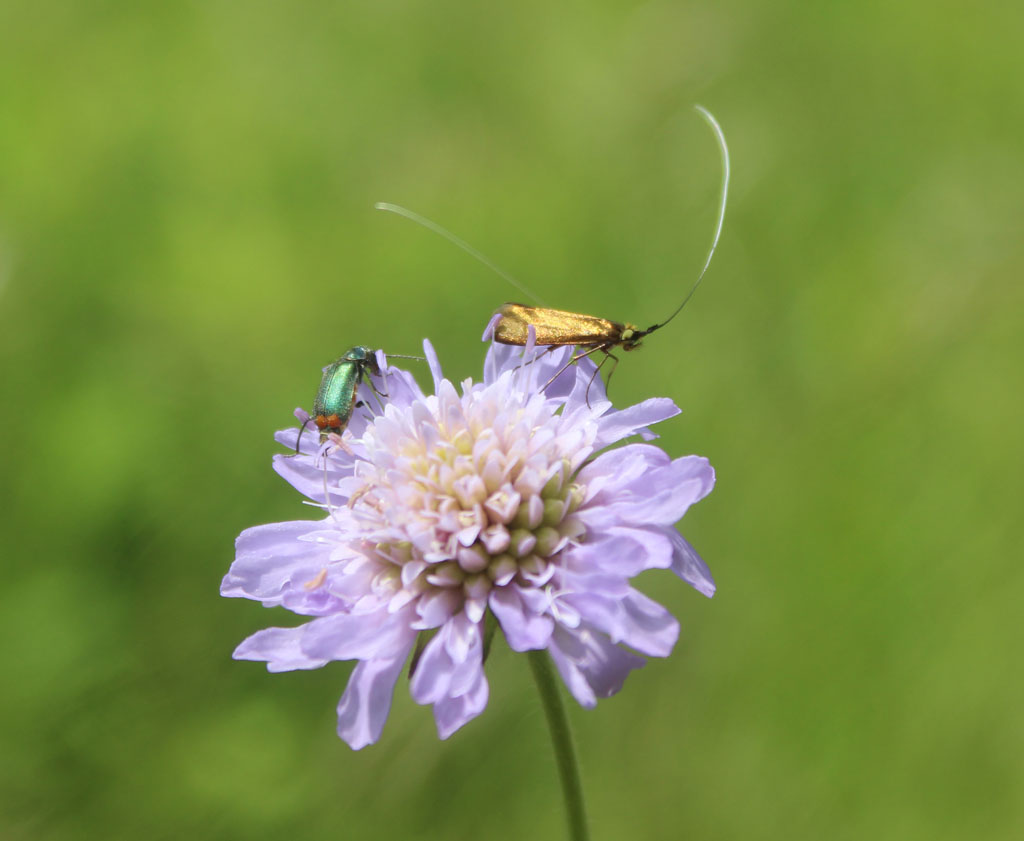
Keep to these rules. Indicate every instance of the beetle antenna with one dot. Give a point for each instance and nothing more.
(298, 438)
(461, 243)
(724, 151)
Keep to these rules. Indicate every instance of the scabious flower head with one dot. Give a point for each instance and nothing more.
(500, 500)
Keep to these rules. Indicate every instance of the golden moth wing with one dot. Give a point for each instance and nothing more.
(553, 327)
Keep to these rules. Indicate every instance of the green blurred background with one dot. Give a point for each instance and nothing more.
(186, 238)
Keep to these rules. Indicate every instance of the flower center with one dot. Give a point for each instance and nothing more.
(483, 499)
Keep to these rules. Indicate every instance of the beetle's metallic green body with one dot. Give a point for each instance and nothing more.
(336, 397)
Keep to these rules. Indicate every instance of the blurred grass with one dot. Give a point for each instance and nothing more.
(186, 237)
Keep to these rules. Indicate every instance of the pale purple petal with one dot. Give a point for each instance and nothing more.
(270, 559)
(461, 637)
(401, 388)
(670, 492)
(615, 426)
(689, 566)
(626, 551)
(451, 713)
(611, 585)
(433, 363)
(524, 629)
(489, 330)
(543, 367)
(455, 685)
(615, 470)
(561, 374)
(500, 358)
(372, 404)
(657, 495)
(591, 666)
(279, 648)
(434, 608)
(358, 636)
(588, 396)
(466, 675)
(364, 707)
(307, 435)
(531, 342)
(432, 675)
(635, 620)
(648, 626)
(309, 476)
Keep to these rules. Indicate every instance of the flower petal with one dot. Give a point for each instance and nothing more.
(451, 663)
(614, 471)
(659, 496)
(269, 558)
(432, 675)
(433, 363)
(460, 637)
(615, 426)
(524, 629)
(307, 474)
(689, 566)
(634, 619)
(364, 707)
(488, 335)
(564, 375)
(651, 629)
(401, 388)
(588, 395)
(590, 665)
(279, 648)
(451, 713)
(500, 359)
(624, 551)
(362, 636)
(672, 491)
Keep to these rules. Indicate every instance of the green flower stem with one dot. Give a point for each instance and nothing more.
(561, 737)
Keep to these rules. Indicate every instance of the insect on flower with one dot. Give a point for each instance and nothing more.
(556, 328)
(336, 398)
(560, 328)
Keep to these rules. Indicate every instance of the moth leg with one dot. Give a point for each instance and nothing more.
(607, 355)
(573, 360)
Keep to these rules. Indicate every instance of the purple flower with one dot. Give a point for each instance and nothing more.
(440, 508)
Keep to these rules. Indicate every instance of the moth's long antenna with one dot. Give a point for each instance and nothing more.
(724, 150)
(461, 243)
